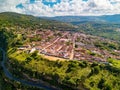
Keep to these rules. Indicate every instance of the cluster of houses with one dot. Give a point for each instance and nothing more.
(68, 45)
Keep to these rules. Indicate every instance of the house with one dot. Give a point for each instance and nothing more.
(33, 50)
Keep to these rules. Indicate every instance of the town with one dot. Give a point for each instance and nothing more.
(69, 45)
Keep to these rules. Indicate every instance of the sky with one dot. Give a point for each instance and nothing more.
(61, 7)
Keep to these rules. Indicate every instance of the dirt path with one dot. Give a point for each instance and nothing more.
(53, 58)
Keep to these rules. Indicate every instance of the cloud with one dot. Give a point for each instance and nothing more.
(50, 1)
(61, 7)
(10, 5)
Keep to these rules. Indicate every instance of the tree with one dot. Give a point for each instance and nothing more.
(101, 83)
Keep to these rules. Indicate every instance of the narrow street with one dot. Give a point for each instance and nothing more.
(72, 52)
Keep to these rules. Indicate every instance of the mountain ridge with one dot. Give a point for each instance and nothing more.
(105, 18)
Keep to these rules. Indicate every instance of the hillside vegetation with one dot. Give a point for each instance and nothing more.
(75, 75)
(106, 30)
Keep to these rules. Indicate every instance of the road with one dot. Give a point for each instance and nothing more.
(11, 77)
(72, 52)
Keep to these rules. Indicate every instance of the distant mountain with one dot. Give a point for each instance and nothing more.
(107, 26)
(111, 18)
(81, 19)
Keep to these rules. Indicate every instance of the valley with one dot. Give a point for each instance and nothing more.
(41, 54)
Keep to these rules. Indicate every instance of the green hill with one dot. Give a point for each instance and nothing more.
(28, 21)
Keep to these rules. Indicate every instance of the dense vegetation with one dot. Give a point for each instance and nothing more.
(75, 75)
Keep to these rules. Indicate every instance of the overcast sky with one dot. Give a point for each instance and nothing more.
(61, 7)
